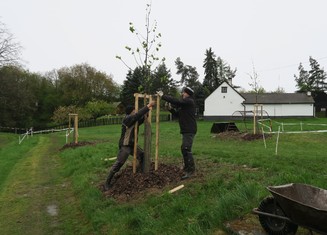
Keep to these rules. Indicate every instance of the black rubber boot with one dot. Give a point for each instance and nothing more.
(189, 166)
(108, 180)
(186, 167)
(187, 175)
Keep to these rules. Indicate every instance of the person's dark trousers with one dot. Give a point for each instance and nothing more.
(122, 156)
(189, 165)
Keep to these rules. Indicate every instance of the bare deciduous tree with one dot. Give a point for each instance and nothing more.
(10, 50)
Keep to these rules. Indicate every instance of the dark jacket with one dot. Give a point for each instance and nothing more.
(185, 111)
(127, 137)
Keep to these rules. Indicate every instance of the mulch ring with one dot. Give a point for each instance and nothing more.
(127, 186)
(240, 135)
(79, 144)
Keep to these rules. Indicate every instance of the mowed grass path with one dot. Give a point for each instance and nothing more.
(34, 199)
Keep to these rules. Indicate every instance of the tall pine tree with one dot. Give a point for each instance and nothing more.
(133, 84)
(313, 80)
(216, 71)
(163, 81)
(210, 70)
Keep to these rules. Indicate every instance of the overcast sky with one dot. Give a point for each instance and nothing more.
(273, 36)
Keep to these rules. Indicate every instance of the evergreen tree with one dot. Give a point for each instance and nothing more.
(302, 81)
(216, 71)
(317, 76)
(189, 75)
(210, 70)
(133, 84)
(312, 80)
(162, 80)
(224, 72)
(190, 78)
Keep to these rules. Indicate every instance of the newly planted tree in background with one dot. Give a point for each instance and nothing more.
(254, 84)
(255, 89)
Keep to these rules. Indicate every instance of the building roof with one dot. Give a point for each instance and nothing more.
(277, 98)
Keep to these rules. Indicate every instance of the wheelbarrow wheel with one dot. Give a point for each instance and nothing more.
(274, 226)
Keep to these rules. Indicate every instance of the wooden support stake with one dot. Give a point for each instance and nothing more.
(157, 134)
(142, 95)
(71, 115)
(177, 188)
(255, 119)
(69, 125)
(135, 133)
(76, 129)
(147, 138)
(150, 112)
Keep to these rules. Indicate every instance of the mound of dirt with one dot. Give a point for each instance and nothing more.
(240, 136)
(250, 137)
(126, 185)
(75, 145)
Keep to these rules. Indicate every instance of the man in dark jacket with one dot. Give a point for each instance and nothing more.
(127, 138)
(186, 115)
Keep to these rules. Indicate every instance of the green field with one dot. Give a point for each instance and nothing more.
(45, 190)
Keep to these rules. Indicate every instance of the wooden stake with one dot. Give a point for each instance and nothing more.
(150, 112)
(69, 125)
(76, 129)
(254, 119)
(71, 115)
(177, 188)
(147, 138)
(157, 134)
(135, 133)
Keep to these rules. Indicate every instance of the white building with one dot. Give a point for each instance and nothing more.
(226, 102)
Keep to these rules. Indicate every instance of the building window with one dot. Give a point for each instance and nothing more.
(224, 89)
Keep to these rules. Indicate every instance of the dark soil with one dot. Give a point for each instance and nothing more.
(240, 135)
(75, 145)
(127, 186)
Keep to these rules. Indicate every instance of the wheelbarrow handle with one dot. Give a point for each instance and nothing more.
(256, 211)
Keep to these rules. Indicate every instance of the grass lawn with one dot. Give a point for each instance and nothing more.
(232, 176)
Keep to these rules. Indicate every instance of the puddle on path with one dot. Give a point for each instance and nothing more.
(52, 210)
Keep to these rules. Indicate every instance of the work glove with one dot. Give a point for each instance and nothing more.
(168, 106)
(160, 93)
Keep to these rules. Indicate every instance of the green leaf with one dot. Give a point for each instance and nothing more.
(131, 28)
